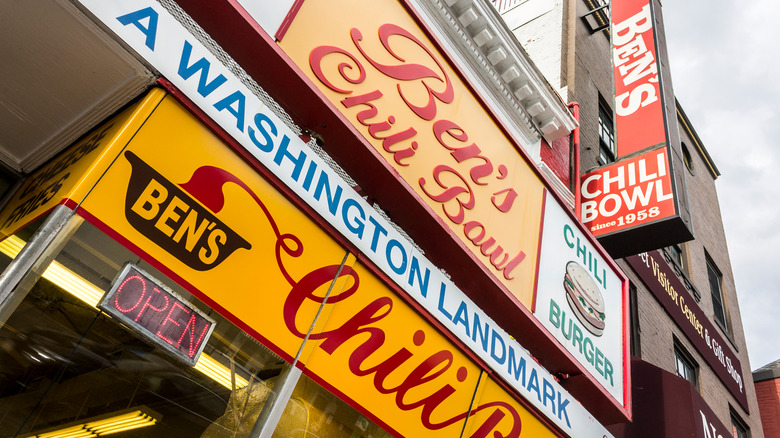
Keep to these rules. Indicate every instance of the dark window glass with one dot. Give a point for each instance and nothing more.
(67, 367)
(606, 135)
(64, 363)
(636, 350)
(687, 158)
(685, 366)
(718, 304)
(676, 252)
(738, 427)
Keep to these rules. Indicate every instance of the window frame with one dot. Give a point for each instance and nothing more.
(719, 305)
(687, 158)
(681, 356)
(606, 134)
(739, 428)
(636, 330)
(677, 254)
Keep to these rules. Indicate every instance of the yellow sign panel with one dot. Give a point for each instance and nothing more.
(382, 72)
(381, 353)
(179, 195)
(69, 176)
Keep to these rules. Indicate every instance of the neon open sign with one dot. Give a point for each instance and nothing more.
(157, 314)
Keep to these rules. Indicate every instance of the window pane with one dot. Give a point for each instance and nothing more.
(607, 150)
(716, 280)
(314, 412)
(686, 367)
(676, 252)
(636, 349)
(64, 363)
(739, 428)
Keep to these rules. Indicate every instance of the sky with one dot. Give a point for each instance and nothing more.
(723, 58)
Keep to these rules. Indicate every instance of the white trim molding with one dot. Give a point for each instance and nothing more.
(475, 35)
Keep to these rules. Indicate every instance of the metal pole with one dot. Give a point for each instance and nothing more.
(39, 250)
(274, 407)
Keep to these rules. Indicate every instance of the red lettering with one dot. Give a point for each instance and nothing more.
(509, 199)
(148, 305)
(363, 99)
(451, 193)
(169, 319)
(465, 152)
(121, 289)
(190, 328)
(410, 71)
(315, 62)
(374, 129)
(304, 290)
(430, 369)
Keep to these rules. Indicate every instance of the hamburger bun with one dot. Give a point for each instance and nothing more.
(584, 298)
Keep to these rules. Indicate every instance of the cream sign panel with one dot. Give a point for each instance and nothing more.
(580, 300)
(388, 79)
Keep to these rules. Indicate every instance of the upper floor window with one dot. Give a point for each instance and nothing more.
(598, 16)
(716, 290)
(687, 159)
(676, 252)
(607, 150)
(636, 348)
(738, 427)
(685, 366)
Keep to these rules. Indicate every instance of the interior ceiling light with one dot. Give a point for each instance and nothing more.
(105, 425)
(91, 294)
(58, 274)
(218, 372)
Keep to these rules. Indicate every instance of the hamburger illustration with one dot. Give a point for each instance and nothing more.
(584, 298)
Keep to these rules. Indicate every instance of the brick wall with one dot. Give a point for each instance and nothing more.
(556, 157)
(768, 395)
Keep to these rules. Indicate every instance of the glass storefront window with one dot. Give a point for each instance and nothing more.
(66, 365)
(312, 412)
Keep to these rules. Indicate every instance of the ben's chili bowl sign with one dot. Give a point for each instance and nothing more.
(370, 345)
(386, 77)
(628, 193)
(165, 44)
(639, 121)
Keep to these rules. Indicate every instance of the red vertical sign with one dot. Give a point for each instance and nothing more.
(639, 112)
(639, 202)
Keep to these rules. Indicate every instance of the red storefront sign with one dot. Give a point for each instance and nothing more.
(666, 405)
(639, 112)
(639, 202)
(629, 193)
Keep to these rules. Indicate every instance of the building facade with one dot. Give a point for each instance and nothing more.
(680, 292)
(341, 218)
(768, 394)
